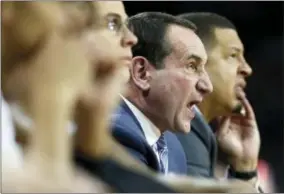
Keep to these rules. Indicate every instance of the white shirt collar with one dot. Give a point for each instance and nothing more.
(152, 133)
(11, 153)
(7, 126)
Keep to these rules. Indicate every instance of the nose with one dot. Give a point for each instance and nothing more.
(129, 39)
(204, 85)
(245, 69)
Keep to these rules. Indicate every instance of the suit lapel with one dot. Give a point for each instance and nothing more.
(204, 131)
(201, 128)
(124, 109)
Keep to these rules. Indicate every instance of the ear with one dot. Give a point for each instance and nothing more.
(140, 72)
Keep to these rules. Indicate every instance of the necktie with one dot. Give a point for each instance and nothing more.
(163, 153)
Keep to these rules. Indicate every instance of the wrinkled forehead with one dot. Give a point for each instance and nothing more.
(186, 43)
(104, 8)
(228, 38)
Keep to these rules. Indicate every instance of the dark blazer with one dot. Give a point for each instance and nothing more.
(112, 172)
(200, 148)
(127, 131)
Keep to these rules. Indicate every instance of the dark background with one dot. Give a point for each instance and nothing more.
(260, 26)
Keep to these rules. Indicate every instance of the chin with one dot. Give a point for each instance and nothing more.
(230, 106)
(125, 74)
(183, 127)
(237, 108)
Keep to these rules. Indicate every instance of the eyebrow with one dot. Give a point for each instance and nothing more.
(115, 15)
(194, 56)
(238, 49)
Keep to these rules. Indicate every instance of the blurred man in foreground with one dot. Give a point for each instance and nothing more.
(37, 64)
(89, 77)
(237, 133)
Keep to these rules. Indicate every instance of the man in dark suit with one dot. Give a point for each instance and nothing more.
(200, 147)
(167, 80)
(237, 133)
(128, 131)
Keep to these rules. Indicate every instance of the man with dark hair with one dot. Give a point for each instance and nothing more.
(151, 29)
(167, 80)
(238, 134)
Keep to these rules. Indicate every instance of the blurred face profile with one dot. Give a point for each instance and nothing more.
(182, 83)
(227, 69)
(99, 27)
(112, 39)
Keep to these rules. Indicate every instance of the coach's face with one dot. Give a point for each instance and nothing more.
(175, 89)
(228, 70)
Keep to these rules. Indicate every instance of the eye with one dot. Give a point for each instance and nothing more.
(192, 66)
(114, 24)
(233, 55)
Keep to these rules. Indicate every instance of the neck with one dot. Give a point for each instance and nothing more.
(50, 117)
(139, 101)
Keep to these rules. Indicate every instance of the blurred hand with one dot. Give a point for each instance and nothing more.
(238, 136)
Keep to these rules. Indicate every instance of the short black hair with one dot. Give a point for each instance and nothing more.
(206, 23)
(150, 29)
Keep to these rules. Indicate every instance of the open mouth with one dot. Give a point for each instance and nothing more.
(239, 89)
(240, 93)
(190, 107)
(191, 104)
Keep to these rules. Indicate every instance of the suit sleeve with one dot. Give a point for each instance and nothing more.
(131, 142)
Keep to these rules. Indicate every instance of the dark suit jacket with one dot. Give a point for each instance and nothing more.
(200, 148)
(120, 178)
(128, 132)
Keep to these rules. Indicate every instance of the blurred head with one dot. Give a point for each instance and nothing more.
(109, 40)
(21, 40)
(226, 64)
(99, 27)
(167, 72)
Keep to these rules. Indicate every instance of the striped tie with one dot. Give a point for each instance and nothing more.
(163, 153)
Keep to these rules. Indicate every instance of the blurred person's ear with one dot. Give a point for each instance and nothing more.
(24, 24)
(25, 28)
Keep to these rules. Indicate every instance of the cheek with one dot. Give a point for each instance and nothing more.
(88, 44)
(223, 77)
(178, 87)
(108, 44)
(184, 87)
(124, 74)
(99, 45)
